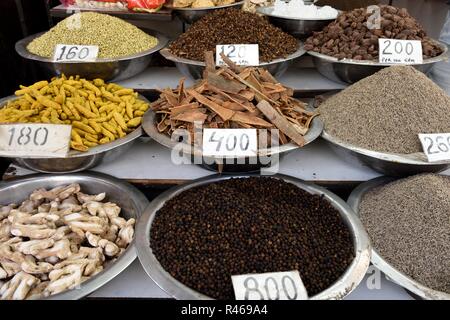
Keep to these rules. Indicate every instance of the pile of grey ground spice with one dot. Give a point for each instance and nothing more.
(205, 235)
(386, 111)
(408, 222)
(233, 26)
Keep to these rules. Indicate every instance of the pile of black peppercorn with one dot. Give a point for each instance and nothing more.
(205, 235)
(232, 26)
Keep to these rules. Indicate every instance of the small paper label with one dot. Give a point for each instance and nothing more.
(74, 53)
(436, 146)
(241, 54)
(269, 286)
(34, 140)
(229, 142)
(393, 51)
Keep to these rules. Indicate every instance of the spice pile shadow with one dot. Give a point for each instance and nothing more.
(206, 234)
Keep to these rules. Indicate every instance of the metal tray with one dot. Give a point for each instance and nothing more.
(130, 199)
(397, 276)
(190, 15)
(387, 163)
(114, 69)
(194, 69)
(299, 28)
(77, 160)
(242, 164)
(341, 288)
(351, 71)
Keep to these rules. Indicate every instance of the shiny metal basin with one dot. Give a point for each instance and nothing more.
(77, 161)
(107, 69)
(341, 288)
(397, 276)
(387, 163)
(190, 15)
(130, 199)
(351, 71)
(299, 28)
(194, 69)
(265, 158)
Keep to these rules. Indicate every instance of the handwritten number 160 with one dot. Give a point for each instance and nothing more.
(39, 138)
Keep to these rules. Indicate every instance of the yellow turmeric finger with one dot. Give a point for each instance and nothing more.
(94, 125)
(120, 121)
(84, 111)
(78, 146)
(84, 127)
(108, 134)
(123, 92)
(109, 127)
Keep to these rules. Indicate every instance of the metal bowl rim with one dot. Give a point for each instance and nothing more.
(129, 255)
(324, 57)
(170, 56)
(399, 277)
(262, 10)
(206, 8)
(21, 48)
(385, 156)
(94, 150)
(346, 283)
(149, 127)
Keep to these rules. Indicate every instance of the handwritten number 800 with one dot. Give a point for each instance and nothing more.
(251, 285)
(40, 136)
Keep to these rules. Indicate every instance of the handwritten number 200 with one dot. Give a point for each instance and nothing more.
(40, 136)
(398, 47)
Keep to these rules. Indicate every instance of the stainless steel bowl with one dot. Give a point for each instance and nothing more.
(130, 199)
(387, 163)
(397, 276)
(190, 15)
(107, 69)
(299, 28)
(265, 158)
(77, 161)
(351, 71)
(341, 288)
(194, 69)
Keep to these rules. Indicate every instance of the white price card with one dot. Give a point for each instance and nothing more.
(75, 53)
(269, 286)
(436, 146)
(229, 142)
(34, 140)
(393, 51)
(241, 54)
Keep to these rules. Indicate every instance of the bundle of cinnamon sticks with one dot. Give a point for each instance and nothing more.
(234, 97)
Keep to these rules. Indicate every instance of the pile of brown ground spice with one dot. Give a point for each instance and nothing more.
(206, 234)
(408, 222)
(386, 111)
(232, 26)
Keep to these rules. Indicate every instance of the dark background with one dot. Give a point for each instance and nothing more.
(18, 19)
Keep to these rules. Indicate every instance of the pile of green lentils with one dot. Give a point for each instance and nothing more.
(206, 234)
(114, 37)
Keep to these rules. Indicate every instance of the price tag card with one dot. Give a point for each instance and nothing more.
(269, 286)
(74, 53)
(229, 142)
(34, 140)
(241, 54)
(436, 146)
(395, 51)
